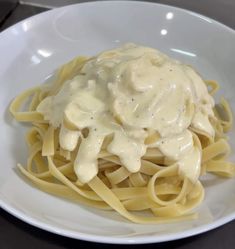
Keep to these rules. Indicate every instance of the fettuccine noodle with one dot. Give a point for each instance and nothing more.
(160, 183)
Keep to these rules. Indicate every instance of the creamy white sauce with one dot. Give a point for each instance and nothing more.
(126, 92)
(177, 146)
(68, 139)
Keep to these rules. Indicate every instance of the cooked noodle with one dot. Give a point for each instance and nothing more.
(157, 186)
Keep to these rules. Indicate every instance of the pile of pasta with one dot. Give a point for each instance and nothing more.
(157, 187)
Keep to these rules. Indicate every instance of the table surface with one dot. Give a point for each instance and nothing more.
(17, 234)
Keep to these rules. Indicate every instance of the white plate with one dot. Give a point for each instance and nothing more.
(32, 49)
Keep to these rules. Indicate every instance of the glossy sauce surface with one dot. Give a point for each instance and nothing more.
(127, 92)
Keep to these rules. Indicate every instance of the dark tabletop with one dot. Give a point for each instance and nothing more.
(17, 234)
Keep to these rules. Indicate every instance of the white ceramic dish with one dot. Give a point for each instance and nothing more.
(33, 48)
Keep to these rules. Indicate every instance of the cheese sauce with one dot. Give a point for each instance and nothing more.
(125, 92)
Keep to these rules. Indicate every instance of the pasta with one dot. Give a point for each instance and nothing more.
(160, 185)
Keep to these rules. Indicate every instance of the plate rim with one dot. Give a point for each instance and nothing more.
(141, 239)
(191, 12)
